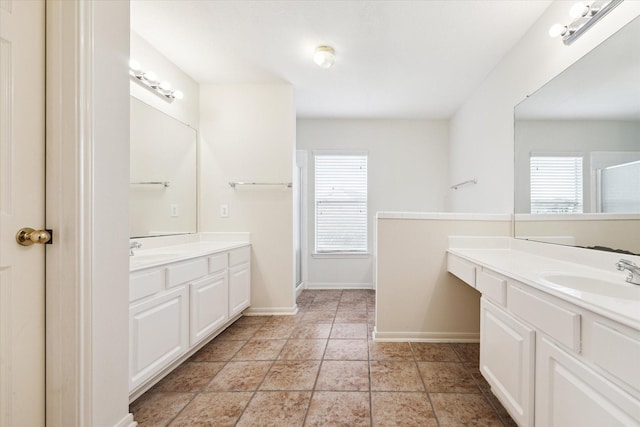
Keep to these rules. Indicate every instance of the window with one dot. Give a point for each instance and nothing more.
(341, 203)
(556, 184)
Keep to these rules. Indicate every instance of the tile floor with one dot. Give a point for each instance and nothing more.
(320, 368)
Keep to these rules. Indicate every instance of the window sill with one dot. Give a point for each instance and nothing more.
(345, 255)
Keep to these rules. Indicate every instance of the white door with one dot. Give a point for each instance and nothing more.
(22, 360)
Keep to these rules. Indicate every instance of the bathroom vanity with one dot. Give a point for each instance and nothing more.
(559, 341)
(181, 297)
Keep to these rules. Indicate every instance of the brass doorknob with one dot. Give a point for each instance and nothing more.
(28, 236)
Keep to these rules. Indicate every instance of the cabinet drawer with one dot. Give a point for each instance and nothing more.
(145, 283)
(187, 271)
(239, 256)
(462, 269)
(622, 363)
(492, 287)
(559, 323)
(218, 263)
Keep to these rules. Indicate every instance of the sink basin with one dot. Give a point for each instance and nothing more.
(596, 286)
(141, 258)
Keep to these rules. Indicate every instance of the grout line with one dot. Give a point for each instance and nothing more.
(424, 384)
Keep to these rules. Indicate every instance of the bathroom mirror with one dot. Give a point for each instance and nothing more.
(162, 189)
(577, 151)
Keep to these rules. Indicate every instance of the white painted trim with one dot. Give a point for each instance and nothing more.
(127, 421)
(341, 255)
(426, 336)
(301, 287)
(69, 263)
(444, 216)
(271, 311)
(578, 217)
(337, 285)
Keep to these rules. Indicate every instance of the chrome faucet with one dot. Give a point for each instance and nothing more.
(134, 245)
(632, 268)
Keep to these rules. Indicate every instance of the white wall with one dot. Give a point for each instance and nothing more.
(247, 133)
(110, 215)
(482, 129)
(407, 167)
(187, 110)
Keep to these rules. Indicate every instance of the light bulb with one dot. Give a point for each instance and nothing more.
(557, 30)
(178, 94)
(164, 85)
(134, 65)
(578, 10)
(151, 78)
(324, 57)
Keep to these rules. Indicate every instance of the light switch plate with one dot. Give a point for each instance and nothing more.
(174, 210)
(224, 211)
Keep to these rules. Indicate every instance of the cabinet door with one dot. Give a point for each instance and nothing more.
(208, 306)
(158, 334)
(507, 360)
(568, 393)
(239, 288)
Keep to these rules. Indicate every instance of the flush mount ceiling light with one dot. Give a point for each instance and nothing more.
(324, 57)
(149, 80)
(584, 15)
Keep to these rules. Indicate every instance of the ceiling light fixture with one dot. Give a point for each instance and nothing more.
(585, 16)
(149, 80)
(324, 57)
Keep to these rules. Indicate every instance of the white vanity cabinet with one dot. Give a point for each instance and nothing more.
(239, 280)
(158, 334)
(507, 360)
(174, 308)
(549, 361)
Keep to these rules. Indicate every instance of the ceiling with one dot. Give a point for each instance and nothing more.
(395, 59)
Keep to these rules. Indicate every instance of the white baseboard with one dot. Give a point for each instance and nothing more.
(334, 285)
(271, 311)
(127, 421)
(426, 336)
(301, 287)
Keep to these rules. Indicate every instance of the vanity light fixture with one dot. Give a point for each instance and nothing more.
(149, 80)
(585, 16)
(324, 56)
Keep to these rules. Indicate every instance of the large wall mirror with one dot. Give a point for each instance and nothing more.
(577, 151)
(162, 191)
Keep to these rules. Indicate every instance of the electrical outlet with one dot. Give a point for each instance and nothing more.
(224, 211)
(174, 210)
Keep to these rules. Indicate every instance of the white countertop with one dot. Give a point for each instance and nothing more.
(146, 258)
(533, 270)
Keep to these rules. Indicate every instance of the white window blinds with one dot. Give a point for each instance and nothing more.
(341, 203)
(556, 184)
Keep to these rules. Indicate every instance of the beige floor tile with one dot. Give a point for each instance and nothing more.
(348, 409)
(209, 409)
(239, 376)
(239, 332)
(260, 350)
(252, 320)
(276, 409)
(158, 409)
(434, 352)
(324, 305)
(468, 352)
(352, 306)
(395, 376)
(500, 410)
(303, 350)
(456, 409)
(190, 377)
(447, 377)
(291, 375)
(217, 351)
(274, 331)
(347, 350)
(312, 331)
(351, 316)
(390, 351)
(318, 317)
(407, 409)
(349, 331)
(343, 375)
